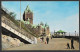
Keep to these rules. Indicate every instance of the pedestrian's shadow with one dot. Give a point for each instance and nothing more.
(69, 49)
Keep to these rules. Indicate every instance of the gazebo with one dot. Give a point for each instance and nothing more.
(59, 33)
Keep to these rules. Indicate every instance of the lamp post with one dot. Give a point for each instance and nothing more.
(20, 14)
(75, 33)
(69, 33)
(20, 17)
(54, 32)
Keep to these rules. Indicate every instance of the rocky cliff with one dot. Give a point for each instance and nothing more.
(9, 42)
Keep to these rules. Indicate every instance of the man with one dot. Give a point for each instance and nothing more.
(51, 36)
(47, 39)
(72, 46)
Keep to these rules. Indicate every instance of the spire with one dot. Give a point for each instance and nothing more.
(46, 25)
(41, 23)
(28, 9)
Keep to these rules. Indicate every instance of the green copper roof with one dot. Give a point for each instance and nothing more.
(38, 25)
(41, 23)
(27, 22)
(34, 26)
(60, 31)
(28, 9)
(43, 26)
(28, 19)
(46, 25)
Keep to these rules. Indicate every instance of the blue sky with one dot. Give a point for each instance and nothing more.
(59, 15)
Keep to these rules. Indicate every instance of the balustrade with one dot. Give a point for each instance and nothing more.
(12, 25)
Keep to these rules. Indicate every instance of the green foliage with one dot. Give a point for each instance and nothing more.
(12, 16)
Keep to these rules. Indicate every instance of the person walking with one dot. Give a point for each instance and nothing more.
(51, 36)
(72, 42)
(42, 39)
(47, 40)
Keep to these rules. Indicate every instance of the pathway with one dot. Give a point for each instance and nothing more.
(54, 44)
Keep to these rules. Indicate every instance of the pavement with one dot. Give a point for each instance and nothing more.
(54, 44)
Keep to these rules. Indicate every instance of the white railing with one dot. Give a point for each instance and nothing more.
(6, 23)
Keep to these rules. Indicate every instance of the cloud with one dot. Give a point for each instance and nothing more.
(72, 22)
(68, 24)
(57, 22)
(59, 15)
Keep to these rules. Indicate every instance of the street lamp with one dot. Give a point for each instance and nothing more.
(69, 33)
(75, 33)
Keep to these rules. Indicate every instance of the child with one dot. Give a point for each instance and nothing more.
(68, 47)
(45, 42)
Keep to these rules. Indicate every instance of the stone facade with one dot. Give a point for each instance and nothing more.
(39, 29)
(28, 14)
(44, 29)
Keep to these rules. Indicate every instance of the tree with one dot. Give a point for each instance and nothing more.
(12, 14)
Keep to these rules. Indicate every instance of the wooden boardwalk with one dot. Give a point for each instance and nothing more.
(54, 44)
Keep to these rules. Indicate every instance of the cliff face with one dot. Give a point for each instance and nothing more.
(8, 42)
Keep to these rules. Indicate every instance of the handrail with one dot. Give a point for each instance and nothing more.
(12, 25)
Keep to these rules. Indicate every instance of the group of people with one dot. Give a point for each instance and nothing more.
(68, 46)
(72, 44)
(47, 39)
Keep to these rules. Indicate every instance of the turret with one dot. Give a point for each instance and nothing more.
(28, 14)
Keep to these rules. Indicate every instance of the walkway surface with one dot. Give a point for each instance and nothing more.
(54, 44)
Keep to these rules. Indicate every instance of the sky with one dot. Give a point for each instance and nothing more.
(59, 15)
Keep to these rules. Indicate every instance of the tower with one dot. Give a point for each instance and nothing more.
(28, 14)
(39, 29)
(47, 29)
